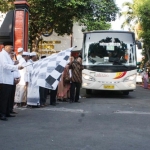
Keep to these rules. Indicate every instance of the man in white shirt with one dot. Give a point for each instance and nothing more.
(21, 87)
(29, 65)
(33, 91)
(7, 67)
(43, 93)
(20, 52)
(16, 81)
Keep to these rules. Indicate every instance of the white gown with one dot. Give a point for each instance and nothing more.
(21, 89)
(33, 91)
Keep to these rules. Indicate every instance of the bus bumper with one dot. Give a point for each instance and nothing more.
(120, 86)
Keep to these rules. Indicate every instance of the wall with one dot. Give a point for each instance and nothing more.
(64, 42)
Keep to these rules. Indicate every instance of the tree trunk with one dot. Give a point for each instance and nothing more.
(148, 54)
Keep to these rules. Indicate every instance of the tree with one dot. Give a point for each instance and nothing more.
(6, 5)
(59, 15)
(52, 15)
(144, 16)
(102, 13)
(130, 15)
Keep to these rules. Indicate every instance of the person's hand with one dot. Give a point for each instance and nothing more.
(26, 84)
(20, 67)
(16, 62)
(17, 81)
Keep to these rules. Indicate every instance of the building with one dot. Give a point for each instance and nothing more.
(55, 43)
(2, 16)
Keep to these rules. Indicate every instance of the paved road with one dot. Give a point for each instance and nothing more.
(102, 121)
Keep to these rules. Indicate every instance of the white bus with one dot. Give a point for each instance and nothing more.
(109, 60)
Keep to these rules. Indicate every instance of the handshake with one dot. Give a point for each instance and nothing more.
(16, 63)
(20, 67)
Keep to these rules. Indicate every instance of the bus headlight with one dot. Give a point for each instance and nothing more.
(130, 78)
(87, 77)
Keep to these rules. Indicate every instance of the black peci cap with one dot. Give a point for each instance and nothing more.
(8, 43)
(43, 57)
(80, 56)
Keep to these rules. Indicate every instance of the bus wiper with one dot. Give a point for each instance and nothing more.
(124, 66)
(92, 60)
(100, 63)
(118, 62)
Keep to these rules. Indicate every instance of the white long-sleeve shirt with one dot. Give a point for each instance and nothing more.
(22, 62)
(6, 68)
(19, 57)
(16, 73)
(29, 69)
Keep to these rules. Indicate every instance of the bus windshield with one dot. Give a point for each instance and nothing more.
(109, 48)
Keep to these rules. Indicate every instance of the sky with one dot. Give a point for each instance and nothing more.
(116, 25)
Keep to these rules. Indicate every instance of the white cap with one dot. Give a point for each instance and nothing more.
(20, 49)
(25, 54)
(28, 53)
(33, 54)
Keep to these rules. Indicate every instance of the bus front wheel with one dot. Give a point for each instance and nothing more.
(125, 92)
(88, 91)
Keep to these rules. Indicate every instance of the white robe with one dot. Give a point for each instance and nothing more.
(19, 57)
(22, 72)
(33, 91)
(21, 88)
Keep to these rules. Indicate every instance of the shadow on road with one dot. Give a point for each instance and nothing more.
(107, 94)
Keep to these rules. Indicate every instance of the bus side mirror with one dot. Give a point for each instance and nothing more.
(139, 44)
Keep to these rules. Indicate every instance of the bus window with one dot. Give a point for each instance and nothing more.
(117, 48)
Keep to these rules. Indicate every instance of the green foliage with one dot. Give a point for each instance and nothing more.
(138, 12)
(6, 5)
(144, 16)
(102, 12)
(59, 15)
(130, 15)
(90, 26)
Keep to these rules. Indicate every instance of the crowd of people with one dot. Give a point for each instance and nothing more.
(16, 82)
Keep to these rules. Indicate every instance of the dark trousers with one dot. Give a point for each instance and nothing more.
(75, 91)
(11, 103)
(43, 95)
(53, 94)
(5, 96)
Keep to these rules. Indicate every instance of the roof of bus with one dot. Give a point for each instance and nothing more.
(102, 31)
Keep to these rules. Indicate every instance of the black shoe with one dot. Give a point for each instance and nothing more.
(59, 100)
(54, 104)
(10, 115)
(71, 101)
(3, 118)
(77, 102)
(13, 112)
